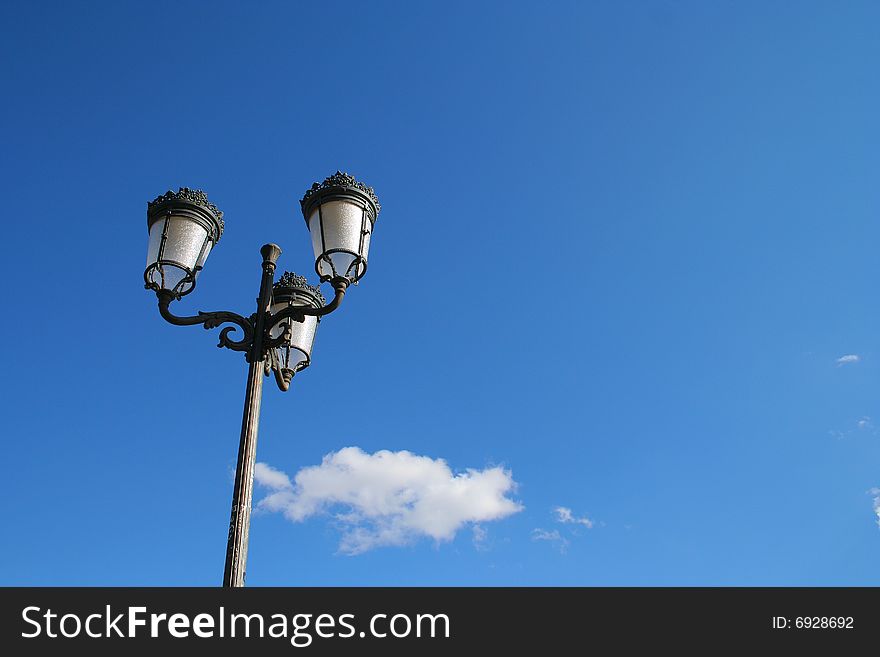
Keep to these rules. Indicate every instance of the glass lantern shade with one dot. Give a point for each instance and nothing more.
(340, 214)
(183, 228)
(295, 352)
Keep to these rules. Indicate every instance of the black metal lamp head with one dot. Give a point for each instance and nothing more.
(340, 214)
(295, 352)
(183, 228)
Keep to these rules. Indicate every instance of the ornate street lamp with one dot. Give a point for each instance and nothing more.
(340, 213)
(184, 226)
(294, 351)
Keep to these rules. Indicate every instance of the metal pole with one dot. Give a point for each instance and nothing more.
(242, 495)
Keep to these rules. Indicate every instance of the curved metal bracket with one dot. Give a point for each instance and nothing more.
(298, 313)
(211, 320)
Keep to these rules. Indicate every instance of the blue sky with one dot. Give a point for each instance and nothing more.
(622, 247)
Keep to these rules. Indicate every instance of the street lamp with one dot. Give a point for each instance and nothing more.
(184, 226)
(340, 213)
(294, 353)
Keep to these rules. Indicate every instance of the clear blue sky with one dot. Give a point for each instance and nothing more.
(622, 247)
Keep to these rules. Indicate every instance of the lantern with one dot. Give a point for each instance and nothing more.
(295, 352)
(340, 214)
(183, 229)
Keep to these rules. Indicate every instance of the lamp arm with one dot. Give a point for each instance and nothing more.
(211, 320)
(298, 313)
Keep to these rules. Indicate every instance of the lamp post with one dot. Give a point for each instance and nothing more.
(340, 214)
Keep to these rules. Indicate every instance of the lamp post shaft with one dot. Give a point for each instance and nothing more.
(242, 494)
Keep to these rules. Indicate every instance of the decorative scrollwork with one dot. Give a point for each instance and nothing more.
(297, 282)
(248, 324)
(341, 179)
(187, 195)
(271, 343)
(213, 320)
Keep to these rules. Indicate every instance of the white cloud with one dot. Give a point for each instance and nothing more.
(481, 536)
(564, 515)
(389, 498)
(847, 359)
(876, 502)
(863, 424)
(269, 477)
(554, 536)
